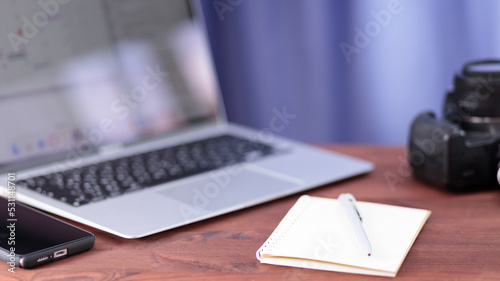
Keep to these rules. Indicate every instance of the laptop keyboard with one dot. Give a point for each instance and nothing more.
(96, 182)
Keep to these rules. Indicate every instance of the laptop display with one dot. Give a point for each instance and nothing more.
(78, 76)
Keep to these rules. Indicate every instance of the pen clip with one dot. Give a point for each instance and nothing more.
(351, 198)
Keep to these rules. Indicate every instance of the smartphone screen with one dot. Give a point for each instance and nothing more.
(29, 237)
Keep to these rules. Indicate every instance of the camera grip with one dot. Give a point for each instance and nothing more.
(430, 143)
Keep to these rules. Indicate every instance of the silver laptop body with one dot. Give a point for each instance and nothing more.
(86, 82)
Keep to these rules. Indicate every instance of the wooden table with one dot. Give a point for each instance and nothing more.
(460, 241)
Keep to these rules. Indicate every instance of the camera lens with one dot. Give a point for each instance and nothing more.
(476, 97)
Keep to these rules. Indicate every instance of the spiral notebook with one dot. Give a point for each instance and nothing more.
(316, 234)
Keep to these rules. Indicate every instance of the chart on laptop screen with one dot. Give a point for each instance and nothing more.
(69, 69)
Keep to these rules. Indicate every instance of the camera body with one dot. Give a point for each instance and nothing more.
(462, 151)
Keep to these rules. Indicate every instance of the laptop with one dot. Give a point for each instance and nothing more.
(112, 117)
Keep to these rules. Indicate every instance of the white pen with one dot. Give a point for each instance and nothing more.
(348, 204)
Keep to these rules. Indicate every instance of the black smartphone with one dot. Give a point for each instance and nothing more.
(29, 238)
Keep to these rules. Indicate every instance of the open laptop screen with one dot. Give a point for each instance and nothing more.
(96, 72)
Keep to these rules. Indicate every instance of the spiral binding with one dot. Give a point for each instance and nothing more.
(284, 226)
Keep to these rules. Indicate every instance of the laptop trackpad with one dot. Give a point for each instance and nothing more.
(229, 189)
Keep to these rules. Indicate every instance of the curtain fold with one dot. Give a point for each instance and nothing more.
(347, 71)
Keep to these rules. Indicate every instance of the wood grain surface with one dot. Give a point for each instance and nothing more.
(460, 241)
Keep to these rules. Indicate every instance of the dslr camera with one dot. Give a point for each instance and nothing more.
(462, 151)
